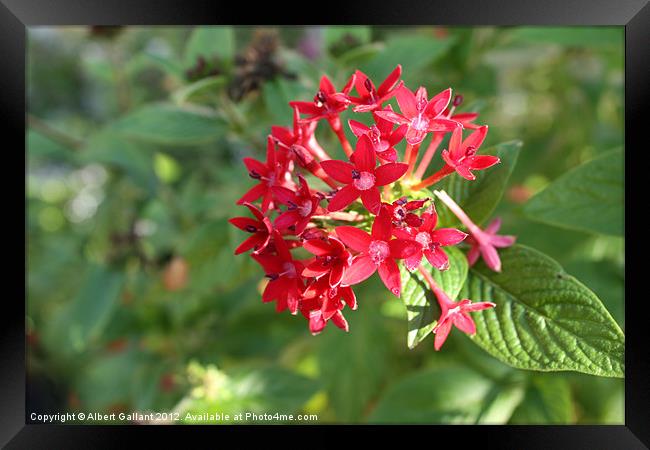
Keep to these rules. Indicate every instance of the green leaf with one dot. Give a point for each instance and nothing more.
(41, 146)
(545, 319)
(109, 148)
(413, 52)
(165, 124)
(547, 401)
(354, 365)
(450, 395)
(480, 197)
(83, 321)
(570, 36)
(210, 42)
(359, 55)
(201, 88)
(277, 94)
(421, 305)
(589, 197)
(267, 390)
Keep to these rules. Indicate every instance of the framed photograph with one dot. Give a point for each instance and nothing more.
(387, 218)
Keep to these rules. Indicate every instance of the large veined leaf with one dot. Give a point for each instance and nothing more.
(544, 319)
(422, 308)
(210, 42)
(589, 197)
(170, 125)
(448, 394)
(480, 197)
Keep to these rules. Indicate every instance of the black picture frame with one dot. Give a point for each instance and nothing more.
(634, 15)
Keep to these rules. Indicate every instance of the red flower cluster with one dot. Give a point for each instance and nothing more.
(348, 241)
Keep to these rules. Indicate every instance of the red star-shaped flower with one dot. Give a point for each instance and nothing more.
(420, 115)
(402, 212)
(485, 242)
(456, 313)
(302, 205)
(462, 156)
(285, 285)
(370, 98)
(322, 303)
(430, 241)
(327, 102)
(260, 227)
(382, 136)
(331, 257)
(377, 252)
(269, 174)
(361, 178)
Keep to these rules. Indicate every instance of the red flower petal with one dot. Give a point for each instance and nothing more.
(361, 269)
(354, 238)
(254, 165)
(359, 83)
(491, 257)
(382, 227)
(464, 172)
(403, 248)
(339, 321)
(389, 173)
(464, 323)
(414, 136)
(336, 275)
(326, 85)
(371, 199)
(443, 125)
(389, 274)
(406, 100)
(438, 103)
(254, 210)
(502, 241)
(480, 162)
(437, 258)
(476, 138)
(477, 306)
(392, 116)
(358, 128)
(448, 236)
(343, 198)
(472, 255)
(413, 261)
(286, 219)
(306, 107)
(364, 155)
(317, 247)
(341, 171)
(442, 331)
(284, 195)
(316, 322)
(389, 155)
(390, 81)
(455, 143)
(243, 222)
(253, 193)
(252, 241)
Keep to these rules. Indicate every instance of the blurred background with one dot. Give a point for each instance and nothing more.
(135, 141)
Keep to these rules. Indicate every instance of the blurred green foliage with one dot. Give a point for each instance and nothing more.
(136, 302)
